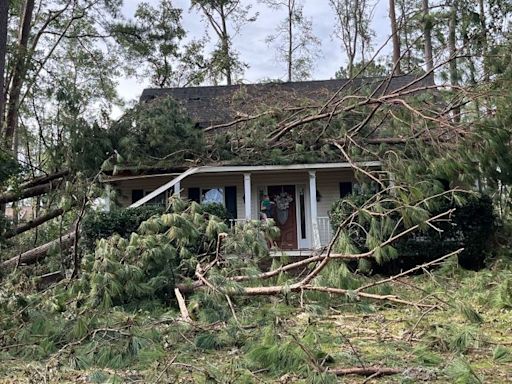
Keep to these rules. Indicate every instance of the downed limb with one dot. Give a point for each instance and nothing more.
(34, 223)
(183, 307)
(33, 255)
(366, 371)
(8, 197)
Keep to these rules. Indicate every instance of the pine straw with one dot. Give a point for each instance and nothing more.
(438, 346)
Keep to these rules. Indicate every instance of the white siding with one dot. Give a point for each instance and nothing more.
(327, 185)
(215, 181)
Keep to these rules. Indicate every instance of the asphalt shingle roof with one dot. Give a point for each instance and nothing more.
(210, 105)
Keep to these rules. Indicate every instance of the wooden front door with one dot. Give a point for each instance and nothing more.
(286, 219)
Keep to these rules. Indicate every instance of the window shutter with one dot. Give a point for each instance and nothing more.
(194, 194)
(230, 200)
(345, 188)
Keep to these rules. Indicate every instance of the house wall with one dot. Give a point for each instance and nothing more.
(216, 181)
(148, 184)
(327, 186)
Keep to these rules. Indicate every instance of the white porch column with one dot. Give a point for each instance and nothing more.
(247, 194)
(314, 210)
(177, 188)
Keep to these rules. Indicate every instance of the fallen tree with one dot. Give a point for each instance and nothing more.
(34, 223)
(36, 254)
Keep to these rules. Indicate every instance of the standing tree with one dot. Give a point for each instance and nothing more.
(4, 19)
(219, 13)
(395, 37)
(353, 29)
(294, 39)
(152, 44)
(427, 33)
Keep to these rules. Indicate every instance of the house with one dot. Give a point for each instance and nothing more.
(299, 195)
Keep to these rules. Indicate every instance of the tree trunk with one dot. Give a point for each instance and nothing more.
(34, 223)
(38, 253)
(427, 32)
(395, 38)
(4, 19)
(452, 47)
(291, 4)
(18, 76)
(485, 48)
(225, 48)
(365, 371)
(8, 197)
(44, 179)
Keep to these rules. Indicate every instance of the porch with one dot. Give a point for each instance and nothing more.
(299, 196)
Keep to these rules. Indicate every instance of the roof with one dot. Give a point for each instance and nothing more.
(211, 105)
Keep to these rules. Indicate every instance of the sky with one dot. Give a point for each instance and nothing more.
(253, 49)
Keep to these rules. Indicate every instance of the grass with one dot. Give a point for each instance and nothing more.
(467, 341)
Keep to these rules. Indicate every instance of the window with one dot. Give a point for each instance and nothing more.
(212, 195)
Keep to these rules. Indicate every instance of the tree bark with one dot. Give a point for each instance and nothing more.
(427, 32)
(38, 190)
(365, 371)
(18, 77)
(34, 223)
(225, 47)
(452, 48)
(44, 179)
(4, 19)
(395, 38)
(291, 4)
(38, 253)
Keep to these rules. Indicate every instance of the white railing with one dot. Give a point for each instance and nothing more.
(325, 230)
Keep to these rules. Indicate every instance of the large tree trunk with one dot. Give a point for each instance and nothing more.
(4, 19)
(38, 253)
(485, 42)
(291, 4)
(427, 32)
(452, 47)
(225, 48)
(18, 77)
(395, 38)
(38, 190)
(35, 223)
(44, 179)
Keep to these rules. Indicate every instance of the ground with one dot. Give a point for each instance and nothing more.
(465, 339)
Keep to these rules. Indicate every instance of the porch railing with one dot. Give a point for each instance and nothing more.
(325, 230)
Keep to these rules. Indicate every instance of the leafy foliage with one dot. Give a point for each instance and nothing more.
(156, 130)
(98, 225)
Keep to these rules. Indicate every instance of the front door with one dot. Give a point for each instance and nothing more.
(284, 214)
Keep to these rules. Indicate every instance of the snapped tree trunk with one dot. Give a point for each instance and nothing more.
(395, 38)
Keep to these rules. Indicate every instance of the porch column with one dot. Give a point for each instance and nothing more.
(177, 188)
(314, 210)
(247, 194)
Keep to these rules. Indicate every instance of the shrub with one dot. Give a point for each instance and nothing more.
(472, 226)
(100, 225)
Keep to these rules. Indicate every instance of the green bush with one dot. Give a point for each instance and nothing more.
(216, 209)
(472, 226)
(101, 225)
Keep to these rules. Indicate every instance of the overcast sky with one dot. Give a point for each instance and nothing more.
(251, 41)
